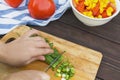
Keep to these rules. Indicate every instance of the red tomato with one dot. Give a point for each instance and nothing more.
(14, 3)
(41, 9)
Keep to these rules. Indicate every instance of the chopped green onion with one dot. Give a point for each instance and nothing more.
(58, 75)
(64, 69)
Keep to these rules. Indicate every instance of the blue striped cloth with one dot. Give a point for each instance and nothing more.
(10, 17)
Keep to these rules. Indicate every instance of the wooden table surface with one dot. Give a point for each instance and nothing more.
(105, 38)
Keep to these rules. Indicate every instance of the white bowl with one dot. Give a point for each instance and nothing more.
(94, 21)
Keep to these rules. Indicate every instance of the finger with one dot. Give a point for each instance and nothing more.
(40, 58)
(35, 58)
(38, 44)
(31, 60)
(42, 44)
(31, 32)
(41, 75)
(43, 51)
(44, 76)
(37, 38)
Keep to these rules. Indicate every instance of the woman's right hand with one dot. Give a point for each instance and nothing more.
(28, 75)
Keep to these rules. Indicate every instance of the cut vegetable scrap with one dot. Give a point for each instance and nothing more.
(64, 69)
(99, 8)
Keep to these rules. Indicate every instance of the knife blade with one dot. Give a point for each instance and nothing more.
(46, 69)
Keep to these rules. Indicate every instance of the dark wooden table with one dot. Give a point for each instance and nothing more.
(105, 38)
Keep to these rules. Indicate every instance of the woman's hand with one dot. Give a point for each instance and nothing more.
(28, 75)
(24, 50)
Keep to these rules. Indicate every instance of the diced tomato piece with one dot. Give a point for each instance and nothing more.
(81, 7)
(97, 14)
(104, 14)
(96, 9)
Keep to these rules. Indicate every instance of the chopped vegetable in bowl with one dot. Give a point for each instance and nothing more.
(96, 8)
(95, 12)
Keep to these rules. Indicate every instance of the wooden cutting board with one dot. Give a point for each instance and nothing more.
(86, 61)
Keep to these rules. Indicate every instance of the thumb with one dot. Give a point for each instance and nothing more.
(45, 76)
(41, 58)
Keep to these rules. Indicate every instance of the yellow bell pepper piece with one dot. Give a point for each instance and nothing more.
(99, 16)
(88, 13)
(109, 11)
(95, 1)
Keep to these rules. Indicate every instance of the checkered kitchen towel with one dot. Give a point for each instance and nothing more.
(10, 18)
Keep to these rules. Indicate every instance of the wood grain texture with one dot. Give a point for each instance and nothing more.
(86, 61)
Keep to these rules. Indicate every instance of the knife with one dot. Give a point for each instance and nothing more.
(46, 69)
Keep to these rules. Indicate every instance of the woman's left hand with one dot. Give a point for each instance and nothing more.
(25, 49)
